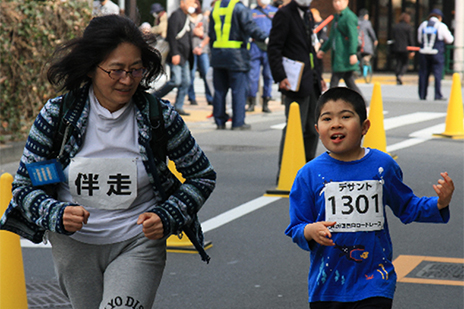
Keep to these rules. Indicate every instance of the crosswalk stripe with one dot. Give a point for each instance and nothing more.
(403, 120)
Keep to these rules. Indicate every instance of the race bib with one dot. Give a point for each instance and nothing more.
(103, 183)
(356, 206)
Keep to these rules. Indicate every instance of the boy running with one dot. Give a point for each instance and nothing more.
(337, 209)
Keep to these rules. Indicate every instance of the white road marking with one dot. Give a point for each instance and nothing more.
(395, 122)
(237, 212)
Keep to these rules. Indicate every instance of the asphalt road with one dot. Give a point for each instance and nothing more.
(254, 265)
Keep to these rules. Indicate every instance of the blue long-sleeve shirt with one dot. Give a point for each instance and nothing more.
(354, 194)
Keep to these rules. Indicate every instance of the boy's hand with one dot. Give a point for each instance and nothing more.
(444, 189)
(319, 233)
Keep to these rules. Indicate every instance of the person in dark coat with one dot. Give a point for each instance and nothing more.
(402, 37)
(179, 37)
(291, 38)
(230, 28)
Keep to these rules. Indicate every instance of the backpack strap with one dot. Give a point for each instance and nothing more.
(158, 149)
(64, 128)
(159, 140)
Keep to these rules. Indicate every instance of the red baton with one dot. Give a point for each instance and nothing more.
(323, 24)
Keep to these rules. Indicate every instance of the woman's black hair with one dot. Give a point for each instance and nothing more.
(74, 60)
(347, 95)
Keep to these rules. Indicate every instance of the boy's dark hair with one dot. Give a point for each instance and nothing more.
(345, 94)
(73, 60)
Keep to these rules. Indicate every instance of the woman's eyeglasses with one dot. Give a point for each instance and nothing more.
(118, 74)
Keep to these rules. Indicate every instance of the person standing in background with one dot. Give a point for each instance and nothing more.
(180, 55)
(343, 41)
(366, 36)
(291, 37)
(200, 45)
(105, 7)
(432, 36)
(160, 22)
(402, 37)
(230, 28)
(262, 15)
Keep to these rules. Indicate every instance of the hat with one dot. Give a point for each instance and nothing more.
(436, 12)
(156, 8)
(363, 12)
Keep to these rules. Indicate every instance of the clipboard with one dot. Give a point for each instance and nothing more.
(294, 71)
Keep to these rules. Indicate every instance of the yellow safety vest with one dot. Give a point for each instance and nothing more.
(223, 31)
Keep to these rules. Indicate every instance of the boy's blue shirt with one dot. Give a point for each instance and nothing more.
(360, 265)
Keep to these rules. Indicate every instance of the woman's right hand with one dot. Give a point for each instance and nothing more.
(74, 218)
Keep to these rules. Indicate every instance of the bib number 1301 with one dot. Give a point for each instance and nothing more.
(355, 205)
(361, 205)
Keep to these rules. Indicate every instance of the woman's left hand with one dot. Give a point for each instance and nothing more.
(152, 225)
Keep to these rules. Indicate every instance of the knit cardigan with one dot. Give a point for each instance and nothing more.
(32, 211)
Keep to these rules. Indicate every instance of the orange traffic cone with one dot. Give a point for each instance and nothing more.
(293, 157)
(180, 243)
(12, 281)
(454, 124)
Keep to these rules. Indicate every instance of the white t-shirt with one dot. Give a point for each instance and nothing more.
(111, 136)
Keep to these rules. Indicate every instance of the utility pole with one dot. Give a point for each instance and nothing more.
(459, 37)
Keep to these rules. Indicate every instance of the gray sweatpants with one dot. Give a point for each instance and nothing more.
(120, 275)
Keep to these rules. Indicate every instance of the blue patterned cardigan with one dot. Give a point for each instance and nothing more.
(31, 211)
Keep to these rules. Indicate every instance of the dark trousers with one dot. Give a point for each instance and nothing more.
(402, 62)
(307, 114)
(368, 303)
(430, 64)
(347, 77)
(224, 79)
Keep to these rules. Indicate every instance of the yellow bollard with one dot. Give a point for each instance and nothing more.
(454, 125)
(293, 157)
(375, 137)
(12, 281)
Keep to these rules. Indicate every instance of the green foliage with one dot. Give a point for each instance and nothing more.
(29, 33)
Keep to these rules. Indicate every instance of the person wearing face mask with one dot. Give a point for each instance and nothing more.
(262, 15)
(179, 37)
(291, 37)
(160, 23)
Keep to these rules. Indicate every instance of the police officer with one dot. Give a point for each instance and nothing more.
(432, 36)
(262, 15)
(230, 28)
